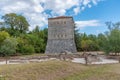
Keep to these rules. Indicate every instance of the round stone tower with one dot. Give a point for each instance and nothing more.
(60, 35)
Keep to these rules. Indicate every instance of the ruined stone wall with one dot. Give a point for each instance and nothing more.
(60, 35)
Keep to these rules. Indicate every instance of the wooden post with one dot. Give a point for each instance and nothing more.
(86, 58)
(119, 59)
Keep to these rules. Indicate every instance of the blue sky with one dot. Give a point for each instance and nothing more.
(89, 15)
(108, 10)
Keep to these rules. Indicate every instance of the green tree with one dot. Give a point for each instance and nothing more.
(36, 30)
(10, 20)
(24, 46)
(94, 44)
(3, 28)
(27, 49)
(39, 37)
(3, 36)
(16, 23)
(112, 43)
(101, 39)
(22, 24)
(8, 47)
(87, 45)
(35, 40)
(92, 37)
(77, 40)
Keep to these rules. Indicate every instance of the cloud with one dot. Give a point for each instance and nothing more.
(89, 23)
(36, 11)
(76, 10)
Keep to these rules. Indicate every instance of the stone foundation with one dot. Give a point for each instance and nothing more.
(59, 46)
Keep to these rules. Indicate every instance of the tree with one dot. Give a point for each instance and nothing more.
(92, 37)
(86, 44)
(113, 39)
(78, 40)
(3, 29)
(10, 20)
(22, 24)
(101, 39)
(3, 36)
(16, 23)
(94, 44)
(24, 46)
(39, 38)
(35, 41)
(36, 30)
(8, 47)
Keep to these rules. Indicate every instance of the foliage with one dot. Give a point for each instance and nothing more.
(36, 30)
(101, 41)
(22, 24)
(27, 49)
(36, 40)
(24, 46)
(86, 42)
(113, 38)
(40, 39)
(8, 47)
(3, 36)
(28, 41)
(15, 23)
(78, 40)
(88, 45)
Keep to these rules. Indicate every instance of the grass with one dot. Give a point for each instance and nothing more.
(60, 70)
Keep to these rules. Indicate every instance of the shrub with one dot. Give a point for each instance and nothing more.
(27, 49)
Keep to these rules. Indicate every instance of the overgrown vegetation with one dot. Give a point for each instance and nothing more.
(28, 42)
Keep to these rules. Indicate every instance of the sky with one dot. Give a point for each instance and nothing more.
(89, 15)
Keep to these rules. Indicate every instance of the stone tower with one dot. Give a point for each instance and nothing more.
(60, 35)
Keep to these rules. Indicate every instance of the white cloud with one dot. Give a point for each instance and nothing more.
(34, 19)
(82, 8)
(89, 6)
(59, 7)
(35, 10)
(95, 1)
(76, 10)
(89, 23)
(86, 2)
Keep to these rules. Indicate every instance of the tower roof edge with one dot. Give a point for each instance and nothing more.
(61, 17)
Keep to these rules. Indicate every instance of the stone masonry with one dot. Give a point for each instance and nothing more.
(60, 35)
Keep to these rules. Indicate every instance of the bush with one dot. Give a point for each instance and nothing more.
(3, 36)
(8, 47)
(27, 49)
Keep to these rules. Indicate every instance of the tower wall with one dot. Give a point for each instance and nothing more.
(60, 35)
